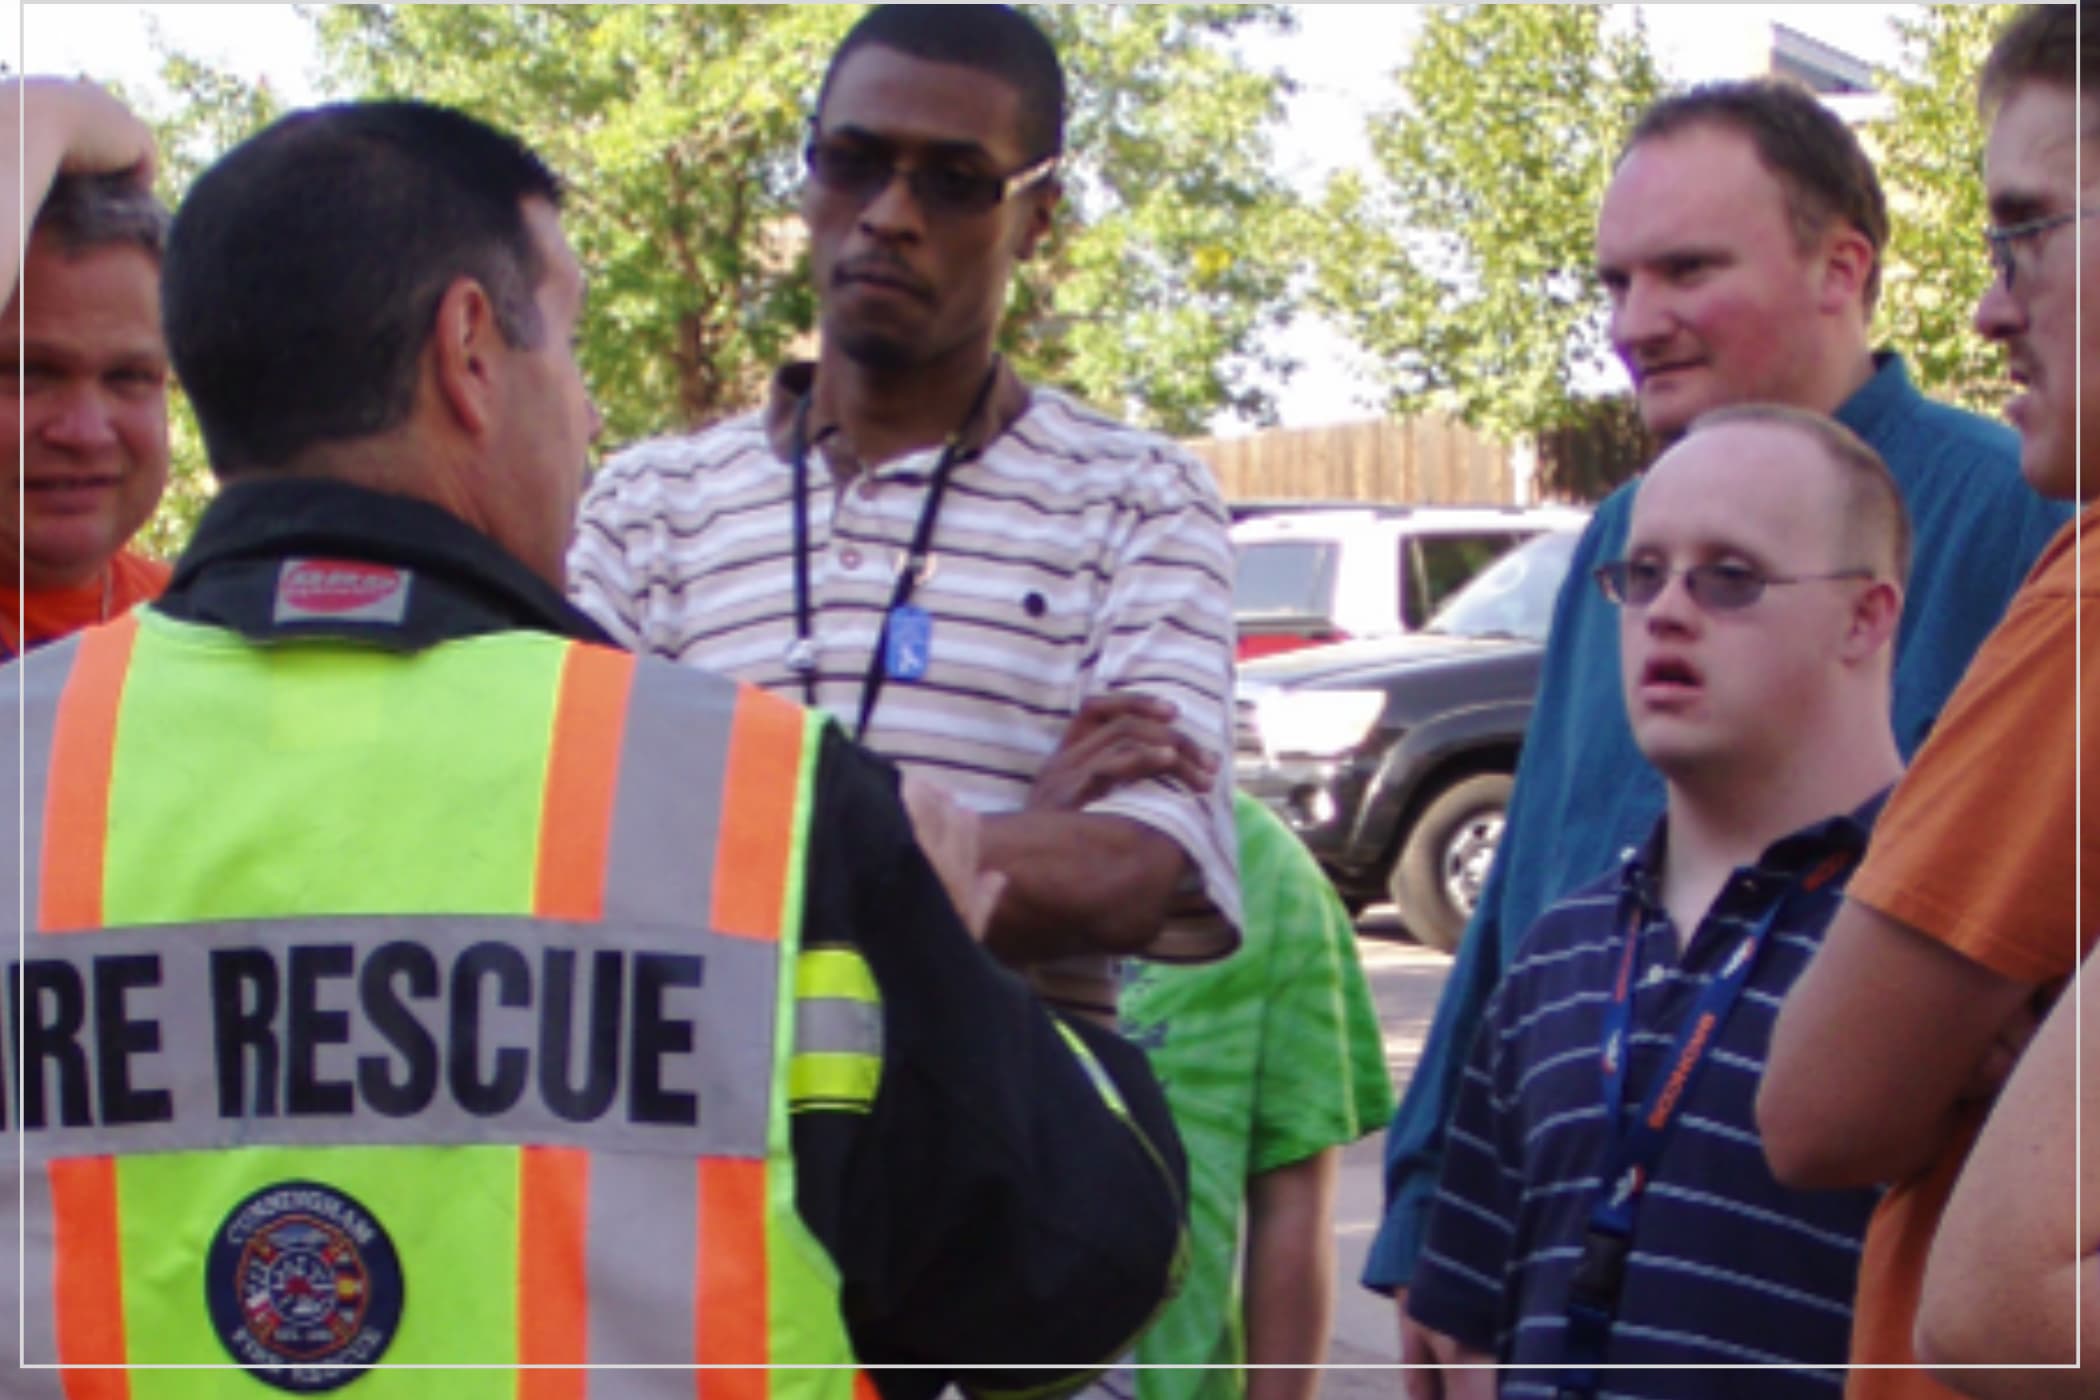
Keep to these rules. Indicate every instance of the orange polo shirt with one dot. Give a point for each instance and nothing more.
(45, 615)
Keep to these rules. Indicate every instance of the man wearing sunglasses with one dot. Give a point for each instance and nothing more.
(1604, 1200)
(1965, 918)
(1739, 246)
(974, 574)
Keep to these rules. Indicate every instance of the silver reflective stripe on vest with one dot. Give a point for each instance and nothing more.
(644, 1269)
(42, 674)
(39, 1340)
(394, 1031)
(829, 1026)
(667, 808)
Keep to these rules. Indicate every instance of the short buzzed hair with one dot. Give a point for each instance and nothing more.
(2042, 44)
(994, 39)
(86, 212)
(306, 266)
(1875, 518)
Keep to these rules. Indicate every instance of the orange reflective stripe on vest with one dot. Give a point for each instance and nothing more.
(583, 768)
(83, 743)
(87, 1272)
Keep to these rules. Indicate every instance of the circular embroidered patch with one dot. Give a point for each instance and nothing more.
(304, 1286)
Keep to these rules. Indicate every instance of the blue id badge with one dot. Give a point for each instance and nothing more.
(910, 644)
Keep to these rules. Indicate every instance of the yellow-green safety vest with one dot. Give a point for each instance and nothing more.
(377, 1012)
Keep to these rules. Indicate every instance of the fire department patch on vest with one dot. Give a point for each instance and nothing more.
(304, 1286)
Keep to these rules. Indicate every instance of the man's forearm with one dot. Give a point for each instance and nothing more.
(1077, 882)
(1290, 1275)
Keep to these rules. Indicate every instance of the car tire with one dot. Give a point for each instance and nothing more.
(1444, 858)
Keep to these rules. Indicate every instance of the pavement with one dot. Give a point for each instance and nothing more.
(1406, 980)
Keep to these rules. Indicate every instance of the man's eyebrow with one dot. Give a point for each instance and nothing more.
(2016, 207)
(943, 150)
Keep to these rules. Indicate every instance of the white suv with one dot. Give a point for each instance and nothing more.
(1327, 575)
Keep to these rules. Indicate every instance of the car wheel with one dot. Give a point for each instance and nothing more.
(1444, 860)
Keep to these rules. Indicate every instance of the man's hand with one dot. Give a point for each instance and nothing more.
(949, 834)
(1116, 740)
(1421, 1348)
(97, 134)
(50, 126)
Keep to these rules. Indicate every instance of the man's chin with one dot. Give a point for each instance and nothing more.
(2052, 472)
(879, 353)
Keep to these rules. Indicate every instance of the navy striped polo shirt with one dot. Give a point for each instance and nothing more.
(1728, 1269)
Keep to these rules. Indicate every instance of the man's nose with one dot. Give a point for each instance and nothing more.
(78, 417)
(1640, 316)
(893, 211)
(1673, 609)
(1999, 315)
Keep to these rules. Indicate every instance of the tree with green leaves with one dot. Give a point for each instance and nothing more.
(1463, 261)
(679, 130)
(1930, 153)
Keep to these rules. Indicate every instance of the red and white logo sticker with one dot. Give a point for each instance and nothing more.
(341, 590)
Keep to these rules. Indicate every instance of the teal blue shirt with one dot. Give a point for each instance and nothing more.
(1584, 795)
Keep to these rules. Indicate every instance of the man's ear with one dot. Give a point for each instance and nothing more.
(1875, 618)
(463, 355)
(1848, 261)
(1042, 206)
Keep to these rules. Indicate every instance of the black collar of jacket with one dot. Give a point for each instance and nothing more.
(460, 582)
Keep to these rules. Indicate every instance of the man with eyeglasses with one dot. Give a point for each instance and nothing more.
(1739, 245)
(974, 574)
(1965, 919)
(1603, 1200)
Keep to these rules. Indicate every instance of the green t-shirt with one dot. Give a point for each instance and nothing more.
(1268, 1057)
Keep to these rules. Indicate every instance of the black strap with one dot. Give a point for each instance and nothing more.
(802, 656)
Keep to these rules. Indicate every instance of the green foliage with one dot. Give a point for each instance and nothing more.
(1930, 152)
(676, 129)
(1463, 260)
(1179, 246)
(679, 128)
(210, 111)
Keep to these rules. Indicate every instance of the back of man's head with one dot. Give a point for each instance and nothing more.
(2045, 44)
(994, 39)
(304, 270)
(83, 213)
(1811, 152)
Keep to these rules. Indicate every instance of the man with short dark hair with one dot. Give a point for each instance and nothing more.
(86, 393)
(1740, 243)
(1965, 920)
(467, 990)
(1604, 1203)
(968, 570)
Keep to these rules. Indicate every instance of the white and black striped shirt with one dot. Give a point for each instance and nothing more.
(1072, 556)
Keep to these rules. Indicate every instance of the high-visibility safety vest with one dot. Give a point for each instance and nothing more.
(380, 1011)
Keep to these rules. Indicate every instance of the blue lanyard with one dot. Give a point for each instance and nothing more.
(1593, 1294)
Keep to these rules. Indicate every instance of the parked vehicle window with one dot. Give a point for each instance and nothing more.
(1513, 597)
(1436, 566)
(1284, 578)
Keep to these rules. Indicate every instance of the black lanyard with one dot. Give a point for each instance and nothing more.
(802, 657)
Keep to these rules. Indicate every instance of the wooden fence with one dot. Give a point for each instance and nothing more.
(1428, 460)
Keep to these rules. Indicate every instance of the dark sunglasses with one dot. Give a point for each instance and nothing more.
(862, 170)
(1635, 583)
